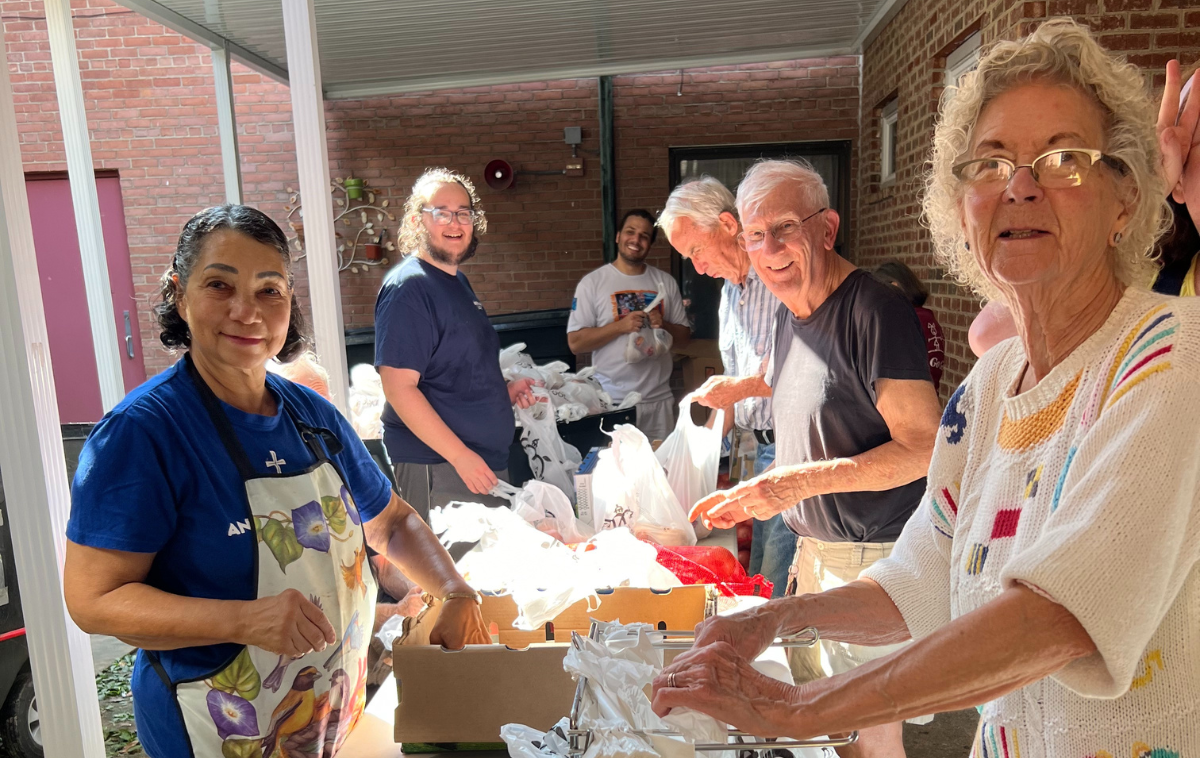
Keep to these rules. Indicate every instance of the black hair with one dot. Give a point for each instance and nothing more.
(239, 218)
(902, 277)
(641, 213)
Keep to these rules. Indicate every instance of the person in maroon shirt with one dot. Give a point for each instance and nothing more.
(902, 278)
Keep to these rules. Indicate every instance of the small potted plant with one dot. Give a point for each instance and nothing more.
(373, 250)
(354, 188)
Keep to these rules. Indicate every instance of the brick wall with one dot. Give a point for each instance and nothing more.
(907, 61)
(151, 109)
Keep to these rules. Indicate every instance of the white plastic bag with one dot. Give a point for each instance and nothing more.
(690, 456)
(546, 508)
(550, 459)
(630, 489)
(365, 402)
(527, 742)
(647, 343)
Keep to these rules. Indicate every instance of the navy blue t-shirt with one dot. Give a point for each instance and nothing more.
(155, 478)
(431, 322)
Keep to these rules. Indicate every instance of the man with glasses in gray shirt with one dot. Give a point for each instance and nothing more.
(701, 223)
(854, 407)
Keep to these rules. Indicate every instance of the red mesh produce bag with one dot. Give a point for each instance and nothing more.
(712, 565)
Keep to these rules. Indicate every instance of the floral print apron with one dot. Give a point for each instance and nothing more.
(309, 538)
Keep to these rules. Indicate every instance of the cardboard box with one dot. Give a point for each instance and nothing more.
(467, 695)
(585, 509)
(701, 359)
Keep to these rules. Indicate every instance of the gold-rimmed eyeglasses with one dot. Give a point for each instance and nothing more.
(1057, 169)
(783, 232)
(443, 217)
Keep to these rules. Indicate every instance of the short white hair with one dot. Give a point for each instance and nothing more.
(702, 200)
(766, 176)
(304, 365)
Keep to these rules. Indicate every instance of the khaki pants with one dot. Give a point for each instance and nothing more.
(820, 566)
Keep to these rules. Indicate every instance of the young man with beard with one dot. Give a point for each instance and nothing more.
(448, 422)
(609, 305)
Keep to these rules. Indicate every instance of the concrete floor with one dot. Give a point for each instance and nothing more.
(948, 736)
(105, 650)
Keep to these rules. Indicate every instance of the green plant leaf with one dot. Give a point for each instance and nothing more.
(281, 540)
(335, 513)
(239, 678)
(242, 748)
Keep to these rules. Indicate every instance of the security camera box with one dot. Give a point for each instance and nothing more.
(465, 696)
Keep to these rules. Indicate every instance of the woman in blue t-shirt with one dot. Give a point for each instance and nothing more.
(220, 517)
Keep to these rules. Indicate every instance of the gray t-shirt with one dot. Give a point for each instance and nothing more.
(823, 371)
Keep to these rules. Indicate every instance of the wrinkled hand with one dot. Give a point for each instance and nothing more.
(459, 623)
(656, 318)
(520, 393)
(720, 391)
(762, 497)
(475, 473)
(632, 322)
(286, 624)
(1179, 132)
(749, 632)
(718, 681)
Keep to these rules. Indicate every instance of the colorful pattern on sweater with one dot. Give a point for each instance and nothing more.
(943, 509)
(1144, 352)
(993, 741)
(954, 418)
(1022, 434)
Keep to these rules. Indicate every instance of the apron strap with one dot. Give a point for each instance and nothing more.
(313, 436)
(224, 426)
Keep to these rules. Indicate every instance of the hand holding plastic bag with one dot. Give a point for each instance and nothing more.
(690, 456)
(630, 489)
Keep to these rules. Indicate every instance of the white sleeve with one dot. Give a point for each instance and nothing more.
(1124, 531)
(673, 303)
(916, 576)
(583, 307)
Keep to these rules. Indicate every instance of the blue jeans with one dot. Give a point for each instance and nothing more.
(774, 545)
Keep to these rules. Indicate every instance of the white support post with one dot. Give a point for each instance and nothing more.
(227, 125)
(312, 164)
(35, 472)
(65, 60)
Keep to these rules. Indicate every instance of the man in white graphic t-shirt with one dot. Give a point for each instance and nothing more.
(609, 307)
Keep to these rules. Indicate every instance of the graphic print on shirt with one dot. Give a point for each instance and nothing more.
(628, 301)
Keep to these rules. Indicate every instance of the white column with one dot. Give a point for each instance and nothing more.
(227, 125)
(312, 163)
(35, 473)
(65, 60)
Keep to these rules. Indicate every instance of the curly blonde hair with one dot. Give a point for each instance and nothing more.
(1060, 52)
(412, 232)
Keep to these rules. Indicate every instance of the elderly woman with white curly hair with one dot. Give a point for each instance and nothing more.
(1050, 572)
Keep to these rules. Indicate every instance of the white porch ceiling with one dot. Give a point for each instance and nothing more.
(375, 47)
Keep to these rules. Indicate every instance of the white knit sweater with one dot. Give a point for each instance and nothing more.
(1087, 490)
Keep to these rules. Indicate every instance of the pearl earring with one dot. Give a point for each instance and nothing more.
(1116, 239)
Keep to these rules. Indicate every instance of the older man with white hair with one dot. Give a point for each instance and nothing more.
(701, 223)
(855, 411)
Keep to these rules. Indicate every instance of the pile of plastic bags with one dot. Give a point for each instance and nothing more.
(365, 402)
(615, 709)
(543, 575)
(572, 395)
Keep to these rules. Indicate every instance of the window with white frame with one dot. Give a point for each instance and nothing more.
(964, 58)
(887, 141)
